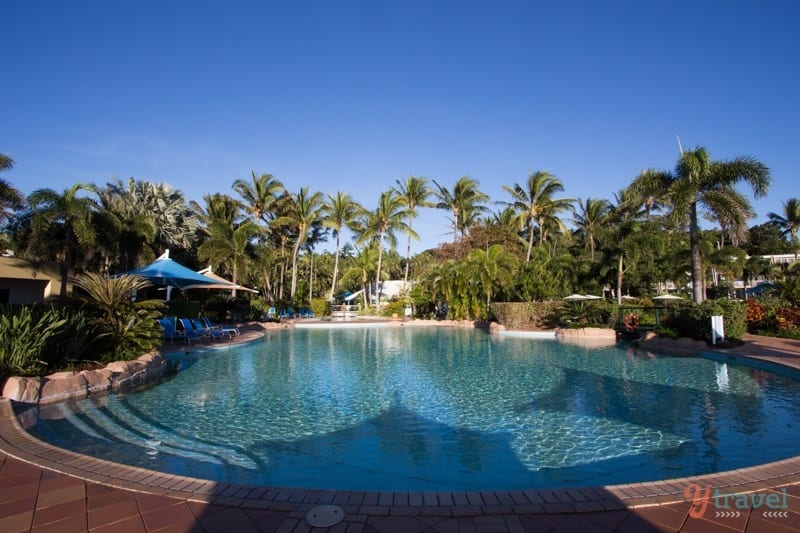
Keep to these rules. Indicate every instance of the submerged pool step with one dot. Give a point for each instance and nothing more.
(152, 439)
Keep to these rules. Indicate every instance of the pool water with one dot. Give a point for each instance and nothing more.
(420, 409)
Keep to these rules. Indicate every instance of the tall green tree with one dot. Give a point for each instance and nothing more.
(340, 211)
(229, 245)
(495, 269)
(465, 202)
(260, 195)
(415, 192)
(535, 204)
(303, 211)
(589, 220)
(10, 198)
(70, 215)
(788, 221)
(698, 182)
(381, 225)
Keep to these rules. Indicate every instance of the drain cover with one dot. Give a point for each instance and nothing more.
(325, 516)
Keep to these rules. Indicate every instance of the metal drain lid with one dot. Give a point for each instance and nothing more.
(325, 516)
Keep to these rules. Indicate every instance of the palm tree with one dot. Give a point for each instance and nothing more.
(10, 198)
(71, 215)
(260, 195)
(465, 202)
(789, 221)
(363, 264)
(495, 268)
(415, 192)
(228, 245)
(381, 224)
(175, 222)
(340, 211)
(129, 325)
(219, 209)
(303, 211)
(535, 204)
(699, 182)
(589, 220)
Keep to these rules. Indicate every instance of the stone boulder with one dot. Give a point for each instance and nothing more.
(589, 337)
(682, 346)
(64, 385)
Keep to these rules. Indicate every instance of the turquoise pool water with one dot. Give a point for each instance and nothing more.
(419, 409)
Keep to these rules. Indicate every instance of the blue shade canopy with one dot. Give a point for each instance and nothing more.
(165, 271)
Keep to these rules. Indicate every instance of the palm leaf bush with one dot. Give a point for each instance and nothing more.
(130, 325)
(24, 338)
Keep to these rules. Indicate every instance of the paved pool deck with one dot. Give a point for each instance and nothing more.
(44, 488)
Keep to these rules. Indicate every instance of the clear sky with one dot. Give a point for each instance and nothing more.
(351, 96)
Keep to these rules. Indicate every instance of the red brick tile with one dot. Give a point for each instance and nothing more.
(132, 524)
(113, 513)
(174, 515)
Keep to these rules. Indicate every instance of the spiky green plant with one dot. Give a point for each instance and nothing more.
(130, 324)
(24, 337)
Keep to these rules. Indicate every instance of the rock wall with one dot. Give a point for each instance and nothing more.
(64, 385)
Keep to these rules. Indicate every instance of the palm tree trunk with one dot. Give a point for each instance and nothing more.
(67, 256)
(335, 268)
(295, 253)
(235, 277)
(530, 242)
(378, 273)
(408, 258)
(620, 275)
(698, 291)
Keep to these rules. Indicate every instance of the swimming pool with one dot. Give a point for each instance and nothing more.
(419, 409)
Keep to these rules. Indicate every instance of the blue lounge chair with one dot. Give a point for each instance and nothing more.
(288, 313)
(189, 332)
(227, 330)
(213, 333)
(170, 331)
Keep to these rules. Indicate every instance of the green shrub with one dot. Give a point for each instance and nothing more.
(527, 315)
(694, 320)
(320, 307)
(394, 307)
(130, 326)
(25, 335)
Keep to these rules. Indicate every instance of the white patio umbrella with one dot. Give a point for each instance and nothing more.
(576, 298)
(663, 297)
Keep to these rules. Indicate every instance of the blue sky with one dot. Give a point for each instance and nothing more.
(353, 95)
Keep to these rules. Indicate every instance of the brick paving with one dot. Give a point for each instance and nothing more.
(43, 488)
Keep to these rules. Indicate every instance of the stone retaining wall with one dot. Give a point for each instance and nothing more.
(64, 385)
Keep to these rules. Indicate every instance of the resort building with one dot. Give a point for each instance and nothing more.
(26, 282)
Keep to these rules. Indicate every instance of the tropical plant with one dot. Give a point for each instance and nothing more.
(260, 195)
(465, 203)
(535, 205)
(140, 203)
(67, 216)
(340, 211)
(699, 182)
(303, 212)
(589, 220)
(229, 246)
(25, 337)
(10, 198)
(415, 192)
(382, 224)
(495, 269)
(788, 222)
(130, 324)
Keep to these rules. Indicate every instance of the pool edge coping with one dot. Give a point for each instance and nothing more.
(19, 444)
